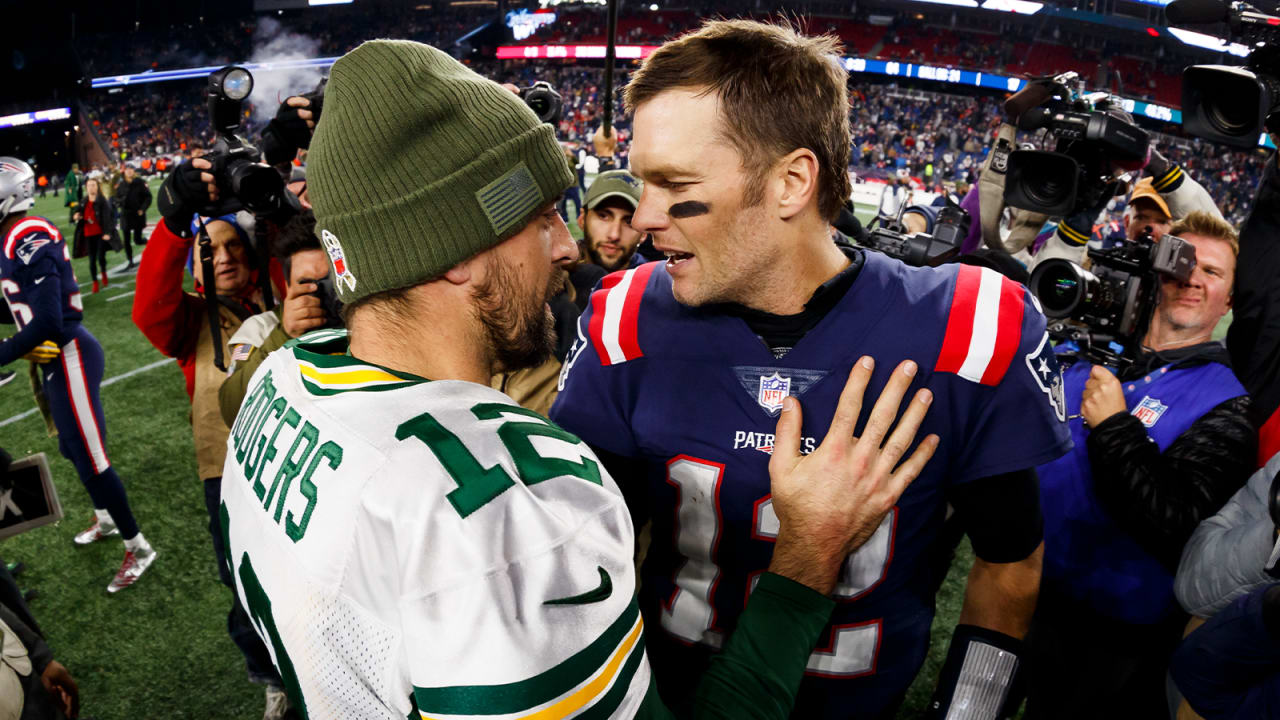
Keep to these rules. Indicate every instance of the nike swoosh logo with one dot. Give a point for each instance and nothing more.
(604, 590)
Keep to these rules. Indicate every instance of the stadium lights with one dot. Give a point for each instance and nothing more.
(203, 72)
(958, 3)
(39, 116)
(1209, 42)
(1021, 7)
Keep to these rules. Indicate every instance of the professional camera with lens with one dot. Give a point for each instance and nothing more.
(543, 100)
(1094, 142)
(920, 249)
(1111, 304)
(1227, 103)
(329, 302)
(237, 168)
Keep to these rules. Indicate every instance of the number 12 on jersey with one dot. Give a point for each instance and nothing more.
(689, 614)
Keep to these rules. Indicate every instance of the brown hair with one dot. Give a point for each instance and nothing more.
(778, 91)
(1200, 222)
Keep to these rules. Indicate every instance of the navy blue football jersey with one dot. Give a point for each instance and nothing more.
(694, 396)
(33, 253)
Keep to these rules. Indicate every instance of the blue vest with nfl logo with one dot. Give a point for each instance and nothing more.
(1087, 556)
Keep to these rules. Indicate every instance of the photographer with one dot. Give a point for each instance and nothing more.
(1158, 448)
(306, 307)
(176, 323)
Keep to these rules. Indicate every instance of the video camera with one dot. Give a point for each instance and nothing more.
(1115, 300)
(1226, 103)
(920, 249)
(1093, 140)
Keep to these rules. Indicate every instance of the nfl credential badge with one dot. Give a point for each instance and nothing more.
(1043, 365)
(1149, 410)
(338, 259)
(773, 389)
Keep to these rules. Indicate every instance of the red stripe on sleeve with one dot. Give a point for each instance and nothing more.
(1008, 331)
(964, 303)
(595, 328)
(629, 333)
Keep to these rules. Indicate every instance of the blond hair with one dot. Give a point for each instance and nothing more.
(1206, 224)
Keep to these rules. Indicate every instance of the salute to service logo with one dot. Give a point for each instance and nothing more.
(339, 260)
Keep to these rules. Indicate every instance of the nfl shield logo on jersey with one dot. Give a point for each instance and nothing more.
(339, 259)
(1149, 410)
(1043, 365)
(773, 389)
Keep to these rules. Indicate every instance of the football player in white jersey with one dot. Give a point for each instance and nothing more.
(410, 541)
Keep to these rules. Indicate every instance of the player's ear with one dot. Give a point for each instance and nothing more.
(461, 273)
(797, 177)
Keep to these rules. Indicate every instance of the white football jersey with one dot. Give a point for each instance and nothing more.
(410, 546)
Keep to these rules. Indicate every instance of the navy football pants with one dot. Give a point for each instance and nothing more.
(71, 387)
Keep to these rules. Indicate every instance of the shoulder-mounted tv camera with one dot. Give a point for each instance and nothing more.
(1106, 310)
(1095, 141)
(1230, 104)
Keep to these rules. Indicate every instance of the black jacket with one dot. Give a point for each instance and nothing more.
(1160, 498)
(1254, 336)
(137, 196)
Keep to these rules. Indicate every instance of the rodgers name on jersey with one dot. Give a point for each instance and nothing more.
(409, 547)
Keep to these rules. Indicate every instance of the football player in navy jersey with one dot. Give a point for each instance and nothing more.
(741, 136)
(43, 298)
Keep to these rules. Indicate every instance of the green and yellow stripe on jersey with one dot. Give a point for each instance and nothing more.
(323, 373)
(589, 685)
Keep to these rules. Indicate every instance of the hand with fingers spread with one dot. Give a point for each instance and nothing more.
(831, 501)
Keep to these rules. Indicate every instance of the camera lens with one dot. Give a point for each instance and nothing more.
(237, 84)
(1061, 286)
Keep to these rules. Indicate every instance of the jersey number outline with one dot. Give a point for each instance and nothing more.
(258, 608)
(477, 485)
(689, 614)
(21, 312)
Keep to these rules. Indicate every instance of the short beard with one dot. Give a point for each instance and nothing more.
(520, 333)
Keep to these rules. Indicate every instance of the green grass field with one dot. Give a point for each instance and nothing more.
(160, 649)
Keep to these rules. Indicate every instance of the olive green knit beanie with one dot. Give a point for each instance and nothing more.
(418, 163)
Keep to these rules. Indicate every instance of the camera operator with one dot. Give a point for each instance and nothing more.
(306, 307)
(1157, 449)
(1102, 154)
(177, 324)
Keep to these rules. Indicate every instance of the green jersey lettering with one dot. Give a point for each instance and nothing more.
(294, 464)
(254, 456)
(330, 451)
(290, 419)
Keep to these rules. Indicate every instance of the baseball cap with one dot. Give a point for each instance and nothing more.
(1145, 189)
(615, 183)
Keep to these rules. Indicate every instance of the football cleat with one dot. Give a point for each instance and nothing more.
(132, 568)
(96, 532)
(277, 704)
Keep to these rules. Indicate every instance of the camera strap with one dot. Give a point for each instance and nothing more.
(991, 185)
(204, 255)
(264, 263)
(1025, 225)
